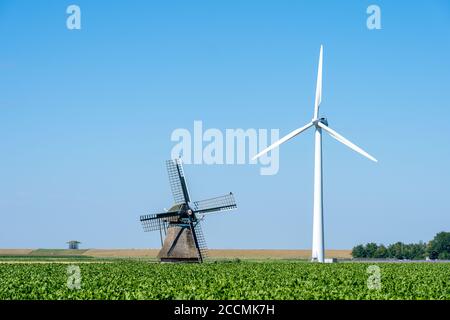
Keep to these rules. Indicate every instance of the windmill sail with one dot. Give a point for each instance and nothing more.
(200, 241)
(222, 203)
(177, 181)
(158, 221)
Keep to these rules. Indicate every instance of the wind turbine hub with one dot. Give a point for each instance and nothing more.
(321, 120)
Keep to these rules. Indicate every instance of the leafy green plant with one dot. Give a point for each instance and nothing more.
(244, 280)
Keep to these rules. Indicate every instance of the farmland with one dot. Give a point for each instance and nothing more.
(281, 279)
(152, 253)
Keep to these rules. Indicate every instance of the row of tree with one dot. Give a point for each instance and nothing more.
(438, 248)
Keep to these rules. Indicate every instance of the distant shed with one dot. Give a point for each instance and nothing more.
(74, 244)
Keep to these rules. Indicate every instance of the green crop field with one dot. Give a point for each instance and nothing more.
(232, 280)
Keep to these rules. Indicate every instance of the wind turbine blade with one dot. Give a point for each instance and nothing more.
(283, 140)
(318, 85)
(343, 140)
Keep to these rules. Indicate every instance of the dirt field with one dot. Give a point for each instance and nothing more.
(51, 261)
(15, 252)
(122, 253)
(275, 254)
(151, 253)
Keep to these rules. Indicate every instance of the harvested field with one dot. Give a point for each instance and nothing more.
(275, 254)
(122, 253)
(51, 262)
(15, 252)
(151, 253)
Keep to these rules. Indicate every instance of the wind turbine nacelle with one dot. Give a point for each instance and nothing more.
(322, 120)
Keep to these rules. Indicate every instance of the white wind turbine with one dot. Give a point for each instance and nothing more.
(319, 124)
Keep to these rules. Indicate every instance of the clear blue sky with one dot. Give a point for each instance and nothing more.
(86, 118)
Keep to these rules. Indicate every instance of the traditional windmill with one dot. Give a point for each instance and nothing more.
(184, 240)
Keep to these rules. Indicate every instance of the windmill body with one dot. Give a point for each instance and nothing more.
(180, 225)
(320, 124)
